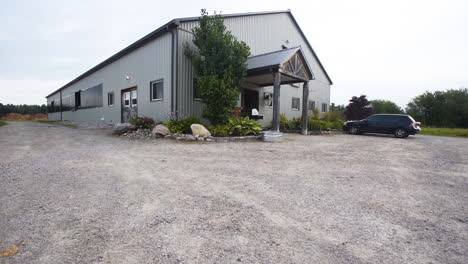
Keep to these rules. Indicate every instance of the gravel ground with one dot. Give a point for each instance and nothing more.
(83, 196)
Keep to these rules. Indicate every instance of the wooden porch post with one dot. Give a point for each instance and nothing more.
(305, 107)
(276, 103)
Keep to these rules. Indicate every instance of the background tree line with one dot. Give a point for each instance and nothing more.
(440, 108)
(22, 109)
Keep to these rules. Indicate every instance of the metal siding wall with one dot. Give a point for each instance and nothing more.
(148, 63)
(263, 33)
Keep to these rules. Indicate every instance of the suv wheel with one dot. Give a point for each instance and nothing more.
(354, 130)
(401, 133)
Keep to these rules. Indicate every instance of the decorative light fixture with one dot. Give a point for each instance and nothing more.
(127, 78)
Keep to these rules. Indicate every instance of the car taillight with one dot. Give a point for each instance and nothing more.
(415, 124)
(418, 123)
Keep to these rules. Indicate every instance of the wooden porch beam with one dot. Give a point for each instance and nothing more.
(305, 107)
(276, 102)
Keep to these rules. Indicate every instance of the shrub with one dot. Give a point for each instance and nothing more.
(314, 124)
(333, 117)
(293, 124)
(143, 122)
(243, 127)
(219, 130)
(182, 126)
(315, 114)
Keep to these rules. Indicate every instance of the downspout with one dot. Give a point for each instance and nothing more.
(174, 67)
(177, 71)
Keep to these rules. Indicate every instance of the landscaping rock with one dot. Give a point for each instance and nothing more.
(160, 131)
(121, 128)
(200, 130)
(189, 138)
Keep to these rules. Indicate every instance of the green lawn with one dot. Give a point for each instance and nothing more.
(2, 123)
(448, 132)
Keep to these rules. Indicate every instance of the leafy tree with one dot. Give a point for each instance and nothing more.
(439, 108)
(358, 108)
(22, 109)
(336, 108)
(220, 62)
(385, 107)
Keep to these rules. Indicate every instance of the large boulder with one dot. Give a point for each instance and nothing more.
(121, 128)
(199, 130)
(160, 131)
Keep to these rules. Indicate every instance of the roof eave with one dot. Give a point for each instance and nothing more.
(137, 44)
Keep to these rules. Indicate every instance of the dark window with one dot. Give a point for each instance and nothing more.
(157, 90)
(296, 103)
(127, 99)
(376, 119)
(134, 98)
(52, 105)
(110, 99)
(196, 89)
(77, 99)
(311, 105)
(91, 97)
(67, 103)
(324, 107)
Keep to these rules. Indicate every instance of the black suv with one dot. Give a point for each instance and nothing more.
(399, 125)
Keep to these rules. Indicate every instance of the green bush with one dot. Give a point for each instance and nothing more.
(293, 124)
(143, 122)
(332, 117)
(243, 127)
(182, 126)
(337, 125)
(219, 130)
(314, 124)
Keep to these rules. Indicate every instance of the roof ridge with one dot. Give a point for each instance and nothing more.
(276, 51)
(185, 19)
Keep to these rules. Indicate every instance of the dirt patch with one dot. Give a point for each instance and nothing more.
(85, 196)
(15, 116)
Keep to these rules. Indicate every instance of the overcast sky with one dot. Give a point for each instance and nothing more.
(391, 50)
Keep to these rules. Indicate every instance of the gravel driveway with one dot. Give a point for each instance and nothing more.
(84, 196)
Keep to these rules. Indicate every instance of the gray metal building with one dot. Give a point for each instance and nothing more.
(152, 77)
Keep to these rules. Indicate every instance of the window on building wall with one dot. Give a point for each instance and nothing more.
(127, 99)
(157, 90)
(110, 99)
(196, 89)
(311, 105)
(324, 107)
(296, 103)
(52, 107)
(77, 99)
(134, 98)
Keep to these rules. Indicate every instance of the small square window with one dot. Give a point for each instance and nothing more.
(110, 99)
(157, 90)
(296, 103)
(324, 107)
(196, 89)
(311, 105)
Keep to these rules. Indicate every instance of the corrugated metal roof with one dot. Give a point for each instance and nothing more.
(274, 58)
(165, 28)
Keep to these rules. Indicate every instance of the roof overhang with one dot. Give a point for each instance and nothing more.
(290, 63)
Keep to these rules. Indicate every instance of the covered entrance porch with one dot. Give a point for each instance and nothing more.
(286, 66)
